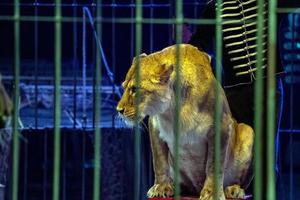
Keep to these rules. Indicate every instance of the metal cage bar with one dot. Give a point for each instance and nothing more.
(75, 65)
(137, 136)
(258, 104)
(113, 60)
(15, 172)
(57, 98)
(36, 62)
(291, 123)
(110, 20)
(97, 147)
(176, 126)
(217, 116)
(271, 192)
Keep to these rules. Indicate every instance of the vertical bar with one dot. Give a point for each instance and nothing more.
(98, 77)
(258, 104)
(151, 25)
(94, 55)
(84, 116)
(217, 116)
(25, 177)
(131, 29)
(74, 64)
(36, 50)
(196, 8)
(291, 116)
(171, 28)
(63, 166)
(151, 39)
(137, 137)
(272, 28)
(16, 144)
(83, 135)
(176, 126)
(57, 113)
(113, 44)
(45, 161)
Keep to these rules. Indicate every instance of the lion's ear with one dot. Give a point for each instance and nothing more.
(165, 73)
(140, 56)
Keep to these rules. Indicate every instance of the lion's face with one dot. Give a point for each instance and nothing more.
(5, 106)
(154, 90)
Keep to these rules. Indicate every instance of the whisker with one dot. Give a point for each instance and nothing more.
(145, 126)
(129, 113)
(124, 119)
(119, 119)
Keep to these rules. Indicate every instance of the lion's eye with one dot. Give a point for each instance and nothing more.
(133, 89)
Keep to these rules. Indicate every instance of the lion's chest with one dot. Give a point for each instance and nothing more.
(192, 153)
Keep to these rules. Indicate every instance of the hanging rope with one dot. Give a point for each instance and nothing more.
(110, 75)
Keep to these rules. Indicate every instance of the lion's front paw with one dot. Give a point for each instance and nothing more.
(207, 194)
(234, 192)
(161, 190)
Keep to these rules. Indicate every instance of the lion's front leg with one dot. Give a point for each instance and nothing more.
(163, 185)
(207, 192)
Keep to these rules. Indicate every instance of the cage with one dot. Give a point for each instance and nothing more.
(63, 62)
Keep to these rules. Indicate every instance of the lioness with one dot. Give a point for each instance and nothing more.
(157, 91)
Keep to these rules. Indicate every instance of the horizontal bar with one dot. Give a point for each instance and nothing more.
(129, 20)
(113, 5)
(90, 128)
(288, 10)
(289, 131)
(110, 20)
(43, 78)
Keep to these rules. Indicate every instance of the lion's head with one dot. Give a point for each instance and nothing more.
(154, 89)
(5, 106)
(157, 78)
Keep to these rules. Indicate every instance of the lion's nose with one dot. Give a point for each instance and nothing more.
(120, 109)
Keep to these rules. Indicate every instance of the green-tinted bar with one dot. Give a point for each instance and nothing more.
(258, 104)
(217, 116)
(137, 136)
(15, 174)
(97, 147)
(130, 20)
(272, 30)
(113, 20)
(176, 126)
(288, 10)
(109, 20)
(159, 21)
(57, 114)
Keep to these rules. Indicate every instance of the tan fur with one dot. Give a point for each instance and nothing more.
(5, 106)
(196, 122)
